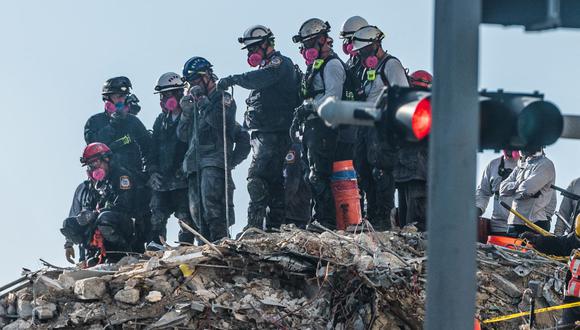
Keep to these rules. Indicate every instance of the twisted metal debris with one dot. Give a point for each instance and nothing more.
(294, 279)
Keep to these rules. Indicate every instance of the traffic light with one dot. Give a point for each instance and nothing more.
(517, 121)
(400, 112)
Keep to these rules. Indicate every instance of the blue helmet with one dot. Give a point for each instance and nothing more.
(196, 66)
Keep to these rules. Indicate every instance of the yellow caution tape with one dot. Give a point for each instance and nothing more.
(537, 311)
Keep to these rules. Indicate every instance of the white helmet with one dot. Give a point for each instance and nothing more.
(169, 81)
(351, 25)
(255, 34)
(311, 29)
(366, 36)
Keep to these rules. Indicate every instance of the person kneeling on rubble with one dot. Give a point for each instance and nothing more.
(563, 246)
(103, 228)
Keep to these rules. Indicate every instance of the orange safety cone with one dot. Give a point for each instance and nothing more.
(346, 194)
(476, 325)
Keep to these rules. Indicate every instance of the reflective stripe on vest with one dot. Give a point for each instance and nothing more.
(574, 284)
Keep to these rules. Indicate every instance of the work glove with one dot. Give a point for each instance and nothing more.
(155, 180)
(133, 102)
(118, 118)
(530, 237)
(304, 110)
(69, 253)
(225, 83)
(187, 105)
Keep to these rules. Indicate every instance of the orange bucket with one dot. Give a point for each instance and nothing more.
(346, 194)
(508, 242)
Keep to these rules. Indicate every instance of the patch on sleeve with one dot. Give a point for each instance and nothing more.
(276, 61)
(291, 157)
(125, 182)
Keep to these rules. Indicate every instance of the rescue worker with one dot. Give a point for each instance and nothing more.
(103, 227)
(325, 76)
(130, 142)
(410, 171)
(568, 208)
(563, 246)
(382, 70)
(495, 172)
(201, 126)
(529, 186)
(117, 128)
(296, 187)
(270, 106)
(356, 70)
(167, 179)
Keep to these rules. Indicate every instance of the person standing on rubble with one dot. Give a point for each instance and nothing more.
(270, 105)
(410, 172)
(382, 70)
(494, 174)
(103, 227)
(565, 246)
(130, 141)
(568, 208)
(167, 179)
(325, 76)
(201, 126)
(529, 185)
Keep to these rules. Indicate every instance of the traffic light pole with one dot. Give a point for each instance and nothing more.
(451, 263)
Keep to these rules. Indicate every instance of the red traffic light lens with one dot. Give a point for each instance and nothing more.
(421, 122)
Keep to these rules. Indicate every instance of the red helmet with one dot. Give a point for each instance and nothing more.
(95, 150)
(421, 78)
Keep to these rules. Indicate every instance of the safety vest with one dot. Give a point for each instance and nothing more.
(573, 289)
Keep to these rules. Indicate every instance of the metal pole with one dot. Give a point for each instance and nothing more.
(452, 167)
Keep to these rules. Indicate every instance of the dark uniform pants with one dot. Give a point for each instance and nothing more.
(142, 216)
(211, 207)
(165, 203)
(379, 208)
(413, 203)
(320, 142)
(265, 179)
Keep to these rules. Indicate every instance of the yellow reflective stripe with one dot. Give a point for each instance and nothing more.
(537, 311)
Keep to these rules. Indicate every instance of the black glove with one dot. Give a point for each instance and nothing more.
(303, 111)
(530, 237)
(224, 83)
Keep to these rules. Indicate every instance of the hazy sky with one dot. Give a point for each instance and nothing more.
(56, 55)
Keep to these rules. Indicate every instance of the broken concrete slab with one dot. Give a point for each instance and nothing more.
(128, 296)
(90, 288)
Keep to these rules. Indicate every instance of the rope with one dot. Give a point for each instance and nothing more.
(226, 168)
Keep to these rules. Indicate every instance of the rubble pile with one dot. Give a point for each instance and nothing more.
(294, 279)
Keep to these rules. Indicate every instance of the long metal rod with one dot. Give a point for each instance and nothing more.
(453, 142)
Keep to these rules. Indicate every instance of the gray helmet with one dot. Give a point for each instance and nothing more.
(366, 36)
(311, 29)
(169, 81)
(351, 25)
(255, 34)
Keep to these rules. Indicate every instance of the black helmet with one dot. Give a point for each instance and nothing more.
(117, 85)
